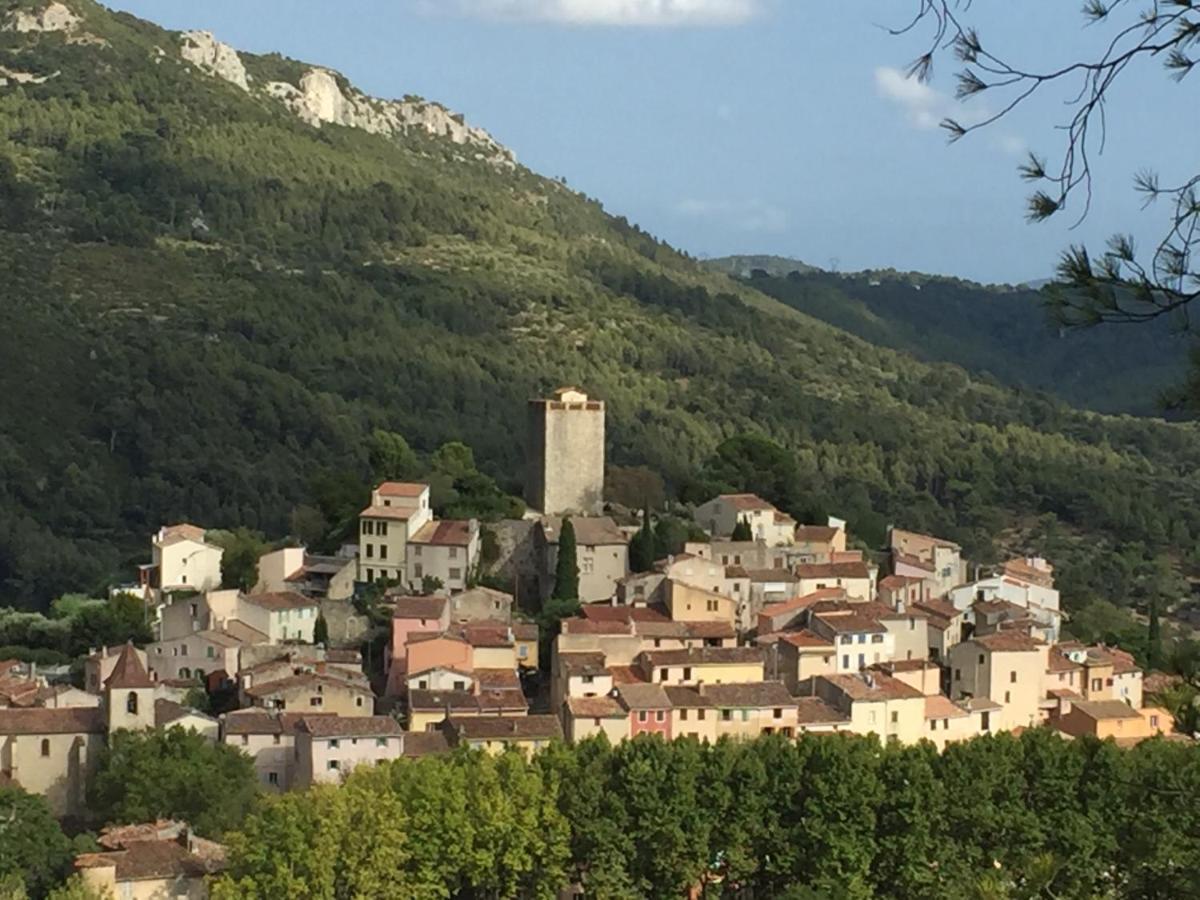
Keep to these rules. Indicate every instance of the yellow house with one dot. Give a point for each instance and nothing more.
(693, 714)
(584, 717)
(876, 704)
(311, 692)
(149, 862)
(703, 665)
(947, 721)
(495, 734)
(426, 709)
(753, 709)
(693, 604)
(398, 511)
(1113, 719)
(801, 655)
(1007, 667)
(856, 577)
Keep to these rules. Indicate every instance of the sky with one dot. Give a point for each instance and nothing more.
(748, 126)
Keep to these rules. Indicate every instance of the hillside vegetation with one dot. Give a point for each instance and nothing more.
(211, 305)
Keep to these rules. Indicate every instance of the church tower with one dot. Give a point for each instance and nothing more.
(129, 693)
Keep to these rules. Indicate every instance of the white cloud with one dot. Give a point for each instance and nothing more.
(608, 12)
(745, 215)
(925, 106)
(1013, 145)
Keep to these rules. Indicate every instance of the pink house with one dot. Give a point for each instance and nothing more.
(649, 709)
(432, 651)
(415, 615)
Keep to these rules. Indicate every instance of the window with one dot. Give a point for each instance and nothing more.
(416, 550)
(131, 703)
(712, 606)
(727, 715)
(358, 701)
(334, 743)
(332, 764)
(778, 714)
(366, 527)
(871, 717)
(315, 701)
(1096, 684)
(275, 739)
(745, 715)
(462, 685)
(658, 716)
(210, 652)
(1007, 696)
(687, 673)
(945, 724)
(1153, 724)
(862, 638)
(1012, 677)
(877, 639)
(382, 529)
(183, 650)
(273, 778)
(195, 609)
(370, 551)
(895, 717)
(912, 624)
(183, 578)
(683, 715)
(418, 571)
(454, 553)
(958, 674)
(862, 660)
(45, 746)
(847, 639)
(664, 674)
(641, 715)
(845, 660)
(422, 684)
(933, 724)
(700, 714)
(380, 742)
(981, 659)
(1110, 682)
(455, 574)
(370, 575)
(383, 551)
(523, 651)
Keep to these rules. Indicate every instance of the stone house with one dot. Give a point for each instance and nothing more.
(601, 552)
(329, 747)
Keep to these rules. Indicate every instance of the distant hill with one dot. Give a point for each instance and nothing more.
(999, 331)
(744, 266)
(223, 272)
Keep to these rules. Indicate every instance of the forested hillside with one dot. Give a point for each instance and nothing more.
(210, 305)
(996, 331)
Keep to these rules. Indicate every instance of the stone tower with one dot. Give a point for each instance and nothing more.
(129, 693)
(566, 454)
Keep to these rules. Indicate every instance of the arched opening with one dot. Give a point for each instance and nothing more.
(45, 746)
(131, 703)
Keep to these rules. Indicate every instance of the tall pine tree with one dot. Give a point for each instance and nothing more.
(566, 571)
(742, 532)
(641, 548)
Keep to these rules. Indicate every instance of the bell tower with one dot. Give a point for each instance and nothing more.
(129, 693)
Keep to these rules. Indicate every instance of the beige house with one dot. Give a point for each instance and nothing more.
(1007, 668)
(704, 665)
(722, 514)
(579, 675)
(495, 734)
(815, 716)
(295, 569)
(151, 862)
(693, 714)
(875, 704)
(196, 655)
(692, 604)
(445, 549)
(752, 709)
(939, 562)
(1113, 719)
(585, 717)
(921, 674)
(800, 655)
(481, 604)
(428, 709)
(329, 747)
(312, 692)
(601, 552)
(819, 543)
(947, 721)
(180, 560)
(855, 577)
(943, 626)
(281, 617)
(269, 737)
(398, 511)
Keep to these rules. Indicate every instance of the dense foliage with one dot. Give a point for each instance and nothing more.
(172, 774)
(837, 816)
(230, 317)
(1002, 333)
(34, 852)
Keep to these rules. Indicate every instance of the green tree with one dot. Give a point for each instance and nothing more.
(641, 548)
(308, 525)
(741, 531)
(391, 458)
(74, 888)
(113, 622)
(566, 566)
(173, 774)
(321, 630)
(32, 846)
(1154, 650)
(242, 547)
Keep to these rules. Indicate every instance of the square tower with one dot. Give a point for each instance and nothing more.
(566, 454)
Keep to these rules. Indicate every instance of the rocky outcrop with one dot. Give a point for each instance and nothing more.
(11, 76)
(320, 99)
(205, 52)
(55, 17)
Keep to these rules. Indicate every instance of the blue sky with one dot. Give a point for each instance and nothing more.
(742, 126)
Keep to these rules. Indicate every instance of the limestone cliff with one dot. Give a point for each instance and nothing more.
(55, 17)
(205, 52)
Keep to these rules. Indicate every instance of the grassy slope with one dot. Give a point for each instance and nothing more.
(156, 376)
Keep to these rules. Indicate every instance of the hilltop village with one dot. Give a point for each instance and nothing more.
(765, 626)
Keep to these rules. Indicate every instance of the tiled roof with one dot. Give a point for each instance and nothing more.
(515, 728)
(643, 696)
(498, 679)
(589, 663)
(398, 513)
(896, 582)
(465, 701)
(833, 570)
(815, 711)
(444, 533)
(1106, 709)
(709, 630)
(595, 708)
(748, 695)
(850, 623)
(240, 631)
(401, 489)
(626, 675)
(815, 534)
(425, 743)
(351, 726)
(580, 625)
(879, 687)
(128, 672)
(771, 576)
(141, 860)
(590, 531)
(278, 601)
(943, 609)
(1058, 661)
(68, 720)
(168, 711)
(602, 612)
(306, 679)
(797, 604)
(941, 707)
(713, 656)
(682, 697)
(408, 607)
(264, 721)
(487, 634)
(1007, 642)
(746, 502)
(441, 668)
(805, 638)
(525, 631)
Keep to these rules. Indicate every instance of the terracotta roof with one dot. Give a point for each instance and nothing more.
(420, 637)
(940, 706)
(815, 711)
(767, 576)
(498, 679)
(264, 721)
(589, 663)
(815, 534)
(797, 604)
(936, 606)
(159, 859)
(746, 502)
(280, 685)
(240, 631)
(748, 695)
(895, 582)
(980, 704)
(805, 638)
(595, 708)
(1123, 663)
(128, 672)
(643, 696)
(910, 560)
(401, 489)
(280, 600)
(880, 687)
(626, 675)
(708, 630)
(425, 743)
(580, 625)
(850, 623)
(444, 533)
(515, 728)
(184, 531)
(466, 673)
(1106, 709)
(487, 634)
(833, 570)
(1058, 661)
(704, 656)
(602, 612)
(168, 711)
(525, 631)
(990, 607)
(398, 513)
(1064, 694)
(683, 697)
(409, 607)
(351, 726)
(465, 701)
(68, 720)
(1007, 642)
(590, 531)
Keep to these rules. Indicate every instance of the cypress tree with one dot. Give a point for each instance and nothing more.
(566, 571)
(742, 532)
(321, 630)
(1154, 638)
(641, 548)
